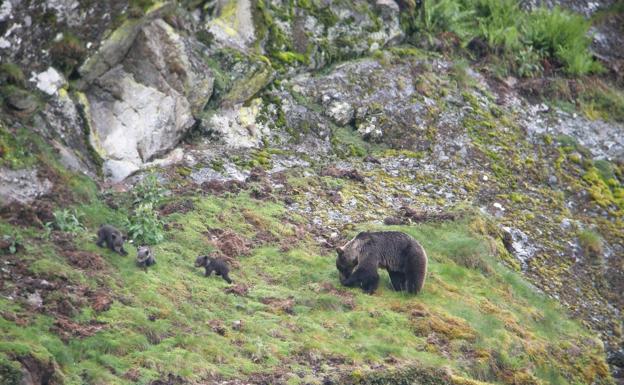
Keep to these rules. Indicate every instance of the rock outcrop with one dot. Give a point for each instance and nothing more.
(142, 106)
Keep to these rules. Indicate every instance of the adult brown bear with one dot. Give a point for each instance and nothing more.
(400, 254)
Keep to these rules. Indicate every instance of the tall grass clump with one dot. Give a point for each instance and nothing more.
(554, 34)
(561, 35)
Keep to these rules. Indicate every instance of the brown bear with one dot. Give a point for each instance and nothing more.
(113, 238)
(400, 254)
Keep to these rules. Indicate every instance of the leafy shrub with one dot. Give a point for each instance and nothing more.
(11, 74)
(448, 15)
(561, 35)
(67, 221)
(149, 190)
(543, 33)
(591, 243)
(144, 226)
(11, 243)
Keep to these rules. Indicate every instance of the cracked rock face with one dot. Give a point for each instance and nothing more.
(22, 186)
(141, 108)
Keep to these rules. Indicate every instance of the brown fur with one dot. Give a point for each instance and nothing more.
(113, 238)
(219, 266)
(401, 255)
(145, 257)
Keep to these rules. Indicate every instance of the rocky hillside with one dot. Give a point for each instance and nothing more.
(270, 132)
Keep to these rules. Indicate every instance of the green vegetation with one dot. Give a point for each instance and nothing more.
(290, 308)
(11, 74)
(525, 38)
(67, 221)
(144, 226)
(591, 243)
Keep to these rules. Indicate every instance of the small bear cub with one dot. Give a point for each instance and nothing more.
(113, 238)
(145, 257)
(219, 266)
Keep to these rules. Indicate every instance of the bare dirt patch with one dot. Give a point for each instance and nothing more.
(85, 260)
(67, 329)
(343, 173)
(229, 243)
(239, 289)
(217, 187)
(181, 207)
(280, 305)
(38, 213)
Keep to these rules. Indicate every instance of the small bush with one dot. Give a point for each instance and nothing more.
(68, 53)
(11, 74)
(149, 190)
(144, 226)
(591, 243)
(67, 221)
(523, 37)
(561, 35)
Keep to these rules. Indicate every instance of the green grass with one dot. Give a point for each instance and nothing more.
(554, 34)
(481, 308)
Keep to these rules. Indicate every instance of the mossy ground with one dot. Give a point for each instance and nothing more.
(288, 318)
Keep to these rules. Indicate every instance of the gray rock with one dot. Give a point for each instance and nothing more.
(21, 185)
(234, 26)
(142, 107)
(22, 101)
(519, 245)
(49, 81)
(341, 112)
(34, 300)
(237, 126)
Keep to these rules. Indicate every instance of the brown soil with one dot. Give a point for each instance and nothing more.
(347, 298)
(237, 289)
(257, 174)
(170, 380)
(67, 329)
(177, 207)
(36, 214)
(217, 326)
(90, 262)
(280, 305)
(342, 173)
(217, 187)
(229, 243)
(101, 301)
(36, 371)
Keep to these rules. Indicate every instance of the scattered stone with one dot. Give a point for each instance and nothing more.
(237, 325)
(49, 81)
(518, 244)
(34, 300)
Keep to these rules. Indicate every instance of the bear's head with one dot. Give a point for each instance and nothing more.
(347, 258)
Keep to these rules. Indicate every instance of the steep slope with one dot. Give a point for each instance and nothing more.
(271, 132)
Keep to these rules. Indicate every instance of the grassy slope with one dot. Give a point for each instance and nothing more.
(295, 317)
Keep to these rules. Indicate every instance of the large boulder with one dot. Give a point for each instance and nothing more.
(142, 106)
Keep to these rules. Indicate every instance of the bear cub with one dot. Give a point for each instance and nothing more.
(219, 266)
(113, 238)
(145, 257)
